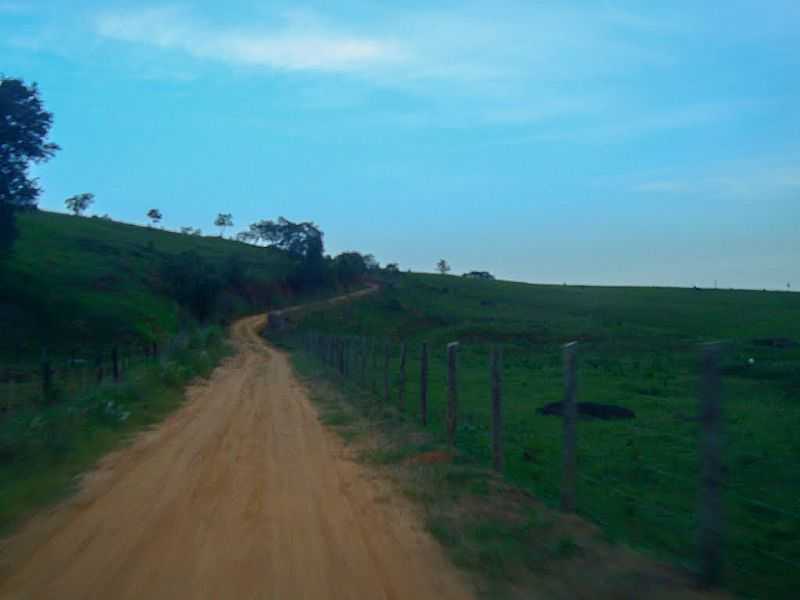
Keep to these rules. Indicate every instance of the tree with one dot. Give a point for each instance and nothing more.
(350, 268)
(79, 203)
(193, 282)
(154, 215)
(301, 241)
(24, 127)
(443, 267)
(392, 268)
(222, 221)
(372, 263)
(187, 230)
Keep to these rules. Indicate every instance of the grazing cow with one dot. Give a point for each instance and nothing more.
(590, 409)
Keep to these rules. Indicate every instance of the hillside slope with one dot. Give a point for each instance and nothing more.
(85, 282)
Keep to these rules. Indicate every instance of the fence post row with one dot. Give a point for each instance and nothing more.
(352, 356)
(710, 501)
(423, 384)
(497, 409)
(569, 411)
(452, 392)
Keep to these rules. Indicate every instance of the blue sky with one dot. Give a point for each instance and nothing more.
(584, 142)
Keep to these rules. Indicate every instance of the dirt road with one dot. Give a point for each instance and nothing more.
(240, 494)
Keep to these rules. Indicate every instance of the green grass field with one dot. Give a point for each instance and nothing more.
(638, 349)
(76, 282)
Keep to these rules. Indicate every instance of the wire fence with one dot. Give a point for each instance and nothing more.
(26, 384)
(666, 489)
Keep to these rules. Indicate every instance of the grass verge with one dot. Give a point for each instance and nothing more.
(512, 544)
(44, 448)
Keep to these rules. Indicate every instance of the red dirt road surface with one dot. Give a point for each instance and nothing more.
(239, 494)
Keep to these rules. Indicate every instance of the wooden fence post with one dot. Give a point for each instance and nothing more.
(401, 391)
(569, 409)
(11, 400)
(452, 392)
(386, 356)
(363, 361)
(497, 409)
(710, 501)
(47, 377)
(115, 364)
(423, 384)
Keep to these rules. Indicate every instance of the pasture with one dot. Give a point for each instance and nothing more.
(638, 350)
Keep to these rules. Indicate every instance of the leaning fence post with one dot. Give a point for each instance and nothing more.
(497, 409)
(401, 391)
(710, 501)
(452, 392)
(423, 384)
(569, 410)
(386, 350)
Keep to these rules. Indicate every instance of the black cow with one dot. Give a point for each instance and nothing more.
(590, 409)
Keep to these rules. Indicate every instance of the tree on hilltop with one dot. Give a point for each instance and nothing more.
(79, 203)
(155, 216)
(24, 127)
(443, 267)
(223, 221)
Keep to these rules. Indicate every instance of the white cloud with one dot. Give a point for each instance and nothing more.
(293, 47)
(502, 64)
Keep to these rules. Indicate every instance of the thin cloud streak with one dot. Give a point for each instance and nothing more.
(288, 48)
(752, 179)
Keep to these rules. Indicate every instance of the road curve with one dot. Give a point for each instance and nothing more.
(239, 494)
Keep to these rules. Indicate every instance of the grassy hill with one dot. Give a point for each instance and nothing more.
(87, 282)
(638, 349)
(78, 286)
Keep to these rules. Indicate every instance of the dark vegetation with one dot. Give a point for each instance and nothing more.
(637, 478)
(24, 127)
(79, 284)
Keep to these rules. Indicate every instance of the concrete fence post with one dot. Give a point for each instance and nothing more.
(569, 410)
